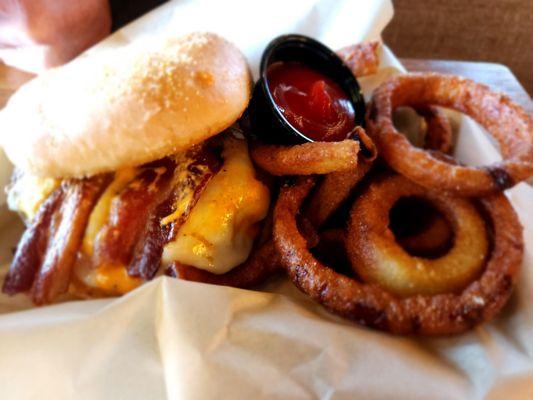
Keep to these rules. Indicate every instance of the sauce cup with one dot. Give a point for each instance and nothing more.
(268, 123)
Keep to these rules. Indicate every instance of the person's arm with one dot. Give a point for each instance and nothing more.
(37, 34)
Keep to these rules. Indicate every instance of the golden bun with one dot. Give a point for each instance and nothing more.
(125, 107)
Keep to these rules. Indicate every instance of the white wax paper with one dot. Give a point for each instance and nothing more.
(182, 340)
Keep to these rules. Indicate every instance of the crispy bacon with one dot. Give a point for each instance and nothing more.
(32, 247)
(45, 256)
(184, 193)
(136, 231)
(129, 213)
(67, 229)
(134, 234)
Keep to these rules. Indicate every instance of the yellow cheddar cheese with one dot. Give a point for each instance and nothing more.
(219, 233)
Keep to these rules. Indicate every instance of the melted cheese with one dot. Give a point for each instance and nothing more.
(217, 236)
(27, 192)
(105, 280)
(219, 233)
(184, 184)
(100, 213)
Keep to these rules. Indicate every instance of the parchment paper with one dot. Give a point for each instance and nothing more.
(182, 340)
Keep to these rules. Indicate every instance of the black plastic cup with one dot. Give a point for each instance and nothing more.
(268, 123)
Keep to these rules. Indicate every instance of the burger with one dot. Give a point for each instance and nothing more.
(129, 163)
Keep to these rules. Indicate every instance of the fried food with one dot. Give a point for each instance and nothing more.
(308, 158)
(420, 229)
(372, 305)
(331, 249)
(439, 134)
(378, 258)
(197, 213)
(333, 191)
(361, 58)
(337, 186)
(433, 240)
(507, 122)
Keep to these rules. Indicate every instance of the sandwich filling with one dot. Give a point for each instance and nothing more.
(201, 208)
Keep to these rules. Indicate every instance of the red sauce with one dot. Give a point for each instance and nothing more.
(311, 102)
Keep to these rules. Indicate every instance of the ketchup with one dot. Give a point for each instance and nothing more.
(311, 102)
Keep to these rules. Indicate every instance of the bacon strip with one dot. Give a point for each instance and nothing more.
(147, 256)
(130, 212)
(32, 246)
(46, 253)
(134, 235)
(67, 229)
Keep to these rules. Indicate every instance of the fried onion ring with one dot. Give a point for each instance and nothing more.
(371, 305)
(308, 158)
(336, 187)
(438, 129)
(421, 235)
(507, 122)
(377, 257)
(361, 58)
(333, 191)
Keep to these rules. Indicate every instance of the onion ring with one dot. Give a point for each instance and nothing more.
(361, 58)
(507, 122)
(371, 305)
(378, 258)
(331, 249)
(336, 187)
(439, 134)
(435, 239)
(308, 158)
(334, 190)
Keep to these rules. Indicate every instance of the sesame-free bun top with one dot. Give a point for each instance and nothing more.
(125, 107)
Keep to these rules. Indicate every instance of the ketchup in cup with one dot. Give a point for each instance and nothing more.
(311, 102)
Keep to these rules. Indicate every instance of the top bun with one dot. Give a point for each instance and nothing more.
(125, 107)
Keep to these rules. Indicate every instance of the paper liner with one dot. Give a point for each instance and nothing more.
(175, 339)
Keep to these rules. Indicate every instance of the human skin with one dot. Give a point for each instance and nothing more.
(38, 34)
